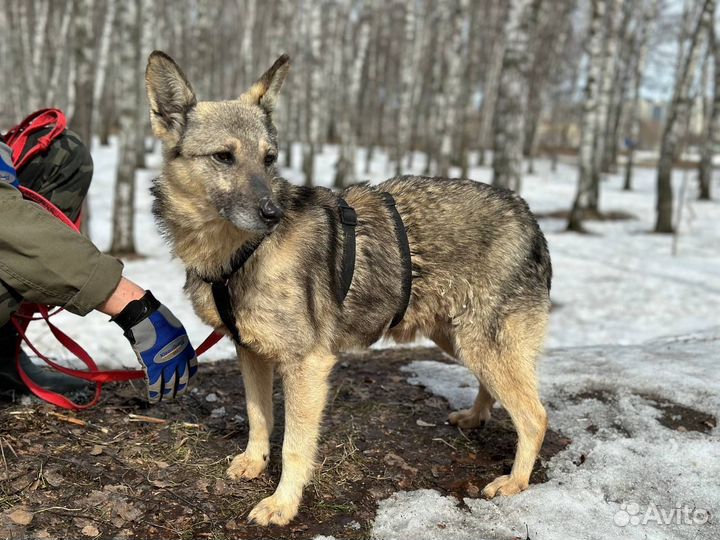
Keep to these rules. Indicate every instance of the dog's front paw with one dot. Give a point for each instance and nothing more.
(246, 466)
(467, 419)
(503, 485)
(275, 510)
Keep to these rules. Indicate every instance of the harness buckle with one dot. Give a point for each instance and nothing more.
(348, 216)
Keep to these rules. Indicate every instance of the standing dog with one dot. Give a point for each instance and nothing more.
(480, 267)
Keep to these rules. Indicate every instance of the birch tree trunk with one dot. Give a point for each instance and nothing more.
(508, 126)
(449, 110)
(649, 15)
(103, 58)
(247, 43)
(83, 41)
(711, 142)
(589, 116)
(676, 114)
(145, 23)
(490, 88)
(345, 169)
(618, 94)
(313, 94)
(53, 84)
(407, 69)
(604, 98)
(123, 234)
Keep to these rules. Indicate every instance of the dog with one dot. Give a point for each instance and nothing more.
(481, 275)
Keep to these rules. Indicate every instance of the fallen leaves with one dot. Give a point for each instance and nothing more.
(96, 450)
(90, 530)
(21, 517)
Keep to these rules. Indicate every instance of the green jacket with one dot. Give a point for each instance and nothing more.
(46, 262)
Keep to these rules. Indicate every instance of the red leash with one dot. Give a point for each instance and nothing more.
(22, 318)
(16, 138)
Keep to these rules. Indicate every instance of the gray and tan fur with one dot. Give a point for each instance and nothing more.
(481, 275)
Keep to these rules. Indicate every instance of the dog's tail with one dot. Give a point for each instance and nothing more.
(541, 257)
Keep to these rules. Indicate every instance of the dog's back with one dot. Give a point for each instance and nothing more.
(474, 248)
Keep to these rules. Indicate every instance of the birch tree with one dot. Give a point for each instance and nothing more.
(610, 51)
(355, 51)
(711, 140)
(407, 69)
(448, 110)
(312, 135)
(677, 112)
(589, 119)
(492, 80)
(83, 42)
(103, 59)
(508, 130)
(641, 43)
(123, 233)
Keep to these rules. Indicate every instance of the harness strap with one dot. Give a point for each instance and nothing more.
(404, 246)
(221, 290)
(223, 304)
(348, 218)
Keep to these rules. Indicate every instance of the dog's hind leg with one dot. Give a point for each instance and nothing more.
(306, 387)
(481, 409)
(257, 376)
(506, 366)
(478, 414)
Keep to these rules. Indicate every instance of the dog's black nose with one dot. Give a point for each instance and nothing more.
(269, 211)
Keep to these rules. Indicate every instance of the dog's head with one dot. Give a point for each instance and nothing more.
(222, 152)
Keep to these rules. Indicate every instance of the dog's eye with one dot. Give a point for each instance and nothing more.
(270, 158)
(226, 158)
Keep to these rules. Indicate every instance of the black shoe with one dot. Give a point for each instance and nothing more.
(10, 381)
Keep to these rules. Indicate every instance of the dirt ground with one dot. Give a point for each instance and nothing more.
(113, 472)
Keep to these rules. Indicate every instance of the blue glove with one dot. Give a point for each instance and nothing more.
(161, 345)
(7, 171)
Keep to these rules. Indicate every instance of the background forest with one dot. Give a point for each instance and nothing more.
(448, 82)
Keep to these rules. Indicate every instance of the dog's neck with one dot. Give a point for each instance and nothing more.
(226, 240)
(206, 248)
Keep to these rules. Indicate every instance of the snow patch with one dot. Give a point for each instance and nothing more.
(627, 477)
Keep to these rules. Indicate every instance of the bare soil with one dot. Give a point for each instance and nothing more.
(112, 472)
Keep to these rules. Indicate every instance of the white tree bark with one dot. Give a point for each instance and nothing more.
(604, 98)
(83, 40)
(492, 84)
(711, 144)
(649, 16)
(123, 235)
(675, 117)
(53, 85)
(508, 126)
(589, 120)
(313, 95)
(355, 53)
(247, 43)
(407, 69)
(449, 112)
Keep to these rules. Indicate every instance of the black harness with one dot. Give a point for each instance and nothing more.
(348, 219)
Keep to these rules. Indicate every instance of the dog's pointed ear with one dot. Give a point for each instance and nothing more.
(266, 89)
(170, 96)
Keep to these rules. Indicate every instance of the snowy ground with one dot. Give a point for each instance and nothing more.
(619, 286)
(623, 476)
(618, 292)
